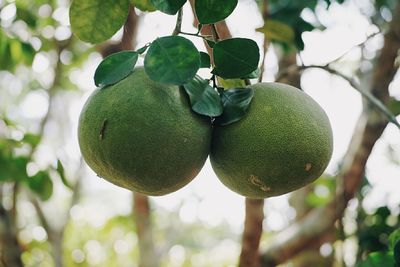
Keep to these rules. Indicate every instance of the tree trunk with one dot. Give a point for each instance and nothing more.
(249, 257)
(10, 250)
(141, 211)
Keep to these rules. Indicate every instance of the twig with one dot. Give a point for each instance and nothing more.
(265, 14)
(178, 25)
(371, 98)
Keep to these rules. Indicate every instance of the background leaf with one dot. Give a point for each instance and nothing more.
(172, 59)
(41, 184)
(378, 259)
(393, 238)
(235, 58)
(396, 252)
(275, 30)
(235, 102)
(61, 172)
(211, 11)
(169, 7)
(115, 67)
(95, 21)
(203, 98)
(204, 60)
(144, 5)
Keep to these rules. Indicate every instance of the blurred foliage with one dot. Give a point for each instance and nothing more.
(38, 29)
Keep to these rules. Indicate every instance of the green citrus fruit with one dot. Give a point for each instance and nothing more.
(283, 143)
(143, 136)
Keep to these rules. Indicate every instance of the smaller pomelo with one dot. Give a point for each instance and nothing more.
(283, 143)
(143, 135)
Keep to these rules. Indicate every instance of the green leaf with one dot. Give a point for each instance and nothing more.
(235, 102)
(211, 11)
(95, 21)
(393, 238)
(230, 83)
(275, 30)
(378, 259)
(235, 58)
(41, 184)
(210, 43)
(172, 60)
(32, 139)
(396, 252)
(144, 5)
(115, 67)
(169, 7)
(253, 75)
(204, 60)
(203, 98)
(143, 49)
(61, 172)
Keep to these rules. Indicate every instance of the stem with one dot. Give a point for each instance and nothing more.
(215, 32)
(178, 25)
(265, 13)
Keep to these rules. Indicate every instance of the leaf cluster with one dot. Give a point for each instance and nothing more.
(175, 59)
(14, 164)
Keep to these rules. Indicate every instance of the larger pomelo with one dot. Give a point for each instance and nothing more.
(283, 143)
(143, 136)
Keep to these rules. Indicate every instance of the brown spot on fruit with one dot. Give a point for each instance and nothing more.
(308, 167)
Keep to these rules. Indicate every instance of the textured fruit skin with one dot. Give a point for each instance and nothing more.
(283, 143)
(143, 136)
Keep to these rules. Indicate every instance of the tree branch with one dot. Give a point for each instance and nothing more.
(249, 256)
(368, 130)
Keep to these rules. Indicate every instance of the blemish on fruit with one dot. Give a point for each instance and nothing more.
(103, 128)
(308, 167)
(257, 182)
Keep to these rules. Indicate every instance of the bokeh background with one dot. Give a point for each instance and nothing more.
(56, 212)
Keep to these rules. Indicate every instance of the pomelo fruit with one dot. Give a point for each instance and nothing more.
(282, 143)
(143, 135)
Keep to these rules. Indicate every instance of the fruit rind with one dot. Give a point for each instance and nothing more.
(143, 136)
(283, 143)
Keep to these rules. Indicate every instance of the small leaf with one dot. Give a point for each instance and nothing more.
(61, 172)
(144, 5)
(235, 102)
(210, 43)
(41, 184)
(204, 60)
(143, 49)
(115, 67)
(169, 7)
(277, 31)
(203, 98)
(95, 21)
(172, 59)
(211, 11)
(235, 58)
(230, 83)
(32, 139)
(253, 75)
(378, 259)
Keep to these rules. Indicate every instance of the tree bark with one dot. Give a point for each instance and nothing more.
(368, 130)
(10, 249)
(141, 210)
(249, 256)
